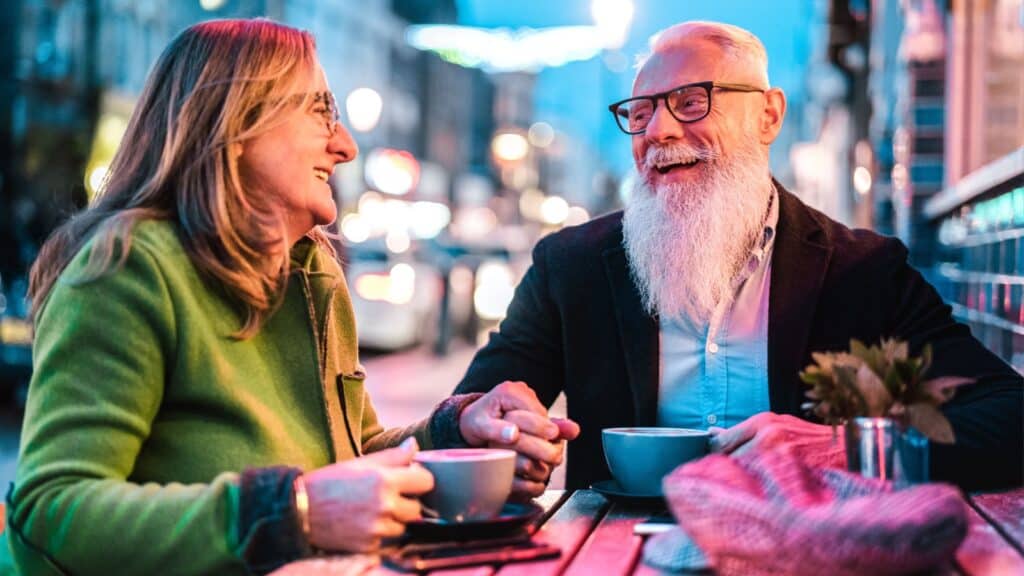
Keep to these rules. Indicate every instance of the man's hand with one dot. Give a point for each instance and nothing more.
(356, 503)
(510, 416)
(816, 444)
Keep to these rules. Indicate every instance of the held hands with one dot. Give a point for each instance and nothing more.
(815, 444)
(356, 503)
(510, 416)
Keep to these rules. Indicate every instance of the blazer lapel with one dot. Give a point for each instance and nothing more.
(639, 333)
(798, 271)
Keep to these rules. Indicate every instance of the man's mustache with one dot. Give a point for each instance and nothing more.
(677, 154)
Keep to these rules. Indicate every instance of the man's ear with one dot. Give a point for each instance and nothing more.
(772, 115)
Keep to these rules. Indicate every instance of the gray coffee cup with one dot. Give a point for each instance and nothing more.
(640, 457)
(469, 483)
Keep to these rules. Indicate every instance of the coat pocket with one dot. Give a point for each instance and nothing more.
(350, 396)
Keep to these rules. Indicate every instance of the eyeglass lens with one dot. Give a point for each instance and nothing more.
(686, 104)
(327, 107)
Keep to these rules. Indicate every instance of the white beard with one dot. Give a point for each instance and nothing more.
(687, 242)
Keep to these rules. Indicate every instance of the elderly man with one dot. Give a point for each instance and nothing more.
(699, 305)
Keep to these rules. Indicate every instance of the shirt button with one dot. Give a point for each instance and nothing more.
(713, 348)
(712, 419)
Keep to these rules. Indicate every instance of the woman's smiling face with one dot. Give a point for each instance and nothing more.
(294, 159)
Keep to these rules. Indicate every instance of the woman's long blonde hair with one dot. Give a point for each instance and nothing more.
(217, 84)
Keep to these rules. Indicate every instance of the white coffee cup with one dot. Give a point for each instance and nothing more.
(469, 483)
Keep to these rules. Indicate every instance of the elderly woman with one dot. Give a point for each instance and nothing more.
(197, 404)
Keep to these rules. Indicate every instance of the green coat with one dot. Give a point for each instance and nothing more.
(143, 411)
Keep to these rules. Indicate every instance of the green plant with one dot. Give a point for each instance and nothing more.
(880, 381)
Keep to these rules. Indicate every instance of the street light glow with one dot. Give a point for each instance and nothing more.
(510, 146)
(96, 178)
(354, 228)
(577, 215)
(402, 285)
(429, 218)
(554, 210)
(392, 171)
(211, 5)
(363, 106)
(862, 180)
(494, 290)
(474, 223)
(397, 240)
(541, 134)
(612, 18)
(503, 50)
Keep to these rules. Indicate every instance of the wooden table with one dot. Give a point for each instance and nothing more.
(596, 537)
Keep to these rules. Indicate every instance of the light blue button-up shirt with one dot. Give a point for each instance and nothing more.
(717, 374)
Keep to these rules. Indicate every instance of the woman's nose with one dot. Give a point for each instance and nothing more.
(342, 144)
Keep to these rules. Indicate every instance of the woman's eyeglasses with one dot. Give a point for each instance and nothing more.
(326, 106)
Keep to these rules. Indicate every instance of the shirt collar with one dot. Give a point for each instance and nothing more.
(763, 249)
(771, 220)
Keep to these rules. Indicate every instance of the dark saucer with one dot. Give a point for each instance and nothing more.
(611, 490)
(513, 519)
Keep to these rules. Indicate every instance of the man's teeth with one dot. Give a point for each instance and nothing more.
(663, 168)
(321, 174)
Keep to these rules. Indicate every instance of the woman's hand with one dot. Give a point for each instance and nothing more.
(510, 416)
(354, 504)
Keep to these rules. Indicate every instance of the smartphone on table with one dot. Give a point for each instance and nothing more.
(655, 524)
(425, 557)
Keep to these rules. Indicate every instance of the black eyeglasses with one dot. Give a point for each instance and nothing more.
(686, 103)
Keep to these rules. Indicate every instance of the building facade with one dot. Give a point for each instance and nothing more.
(977, 219)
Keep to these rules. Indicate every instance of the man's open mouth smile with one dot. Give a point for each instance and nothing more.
(666, 168)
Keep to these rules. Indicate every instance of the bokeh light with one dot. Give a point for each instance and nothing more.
(363, 106)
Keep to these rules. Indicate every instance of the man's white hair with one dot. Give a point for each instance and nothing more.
(737, 44)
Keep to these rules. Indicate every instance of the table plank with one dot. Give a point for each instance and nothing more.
(567, 529)
(1006, 511)
(612, 548)
(985, 551)
(550, 501)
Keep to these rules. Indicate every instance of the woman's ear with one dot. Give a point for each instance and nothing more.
(235, 148)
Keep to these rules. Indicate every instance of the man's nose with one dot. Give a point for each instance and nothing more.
(663, 126)
(342, 145)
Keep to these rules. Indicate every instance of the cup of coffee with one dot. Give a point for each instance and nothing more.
(469, 483)
(639, 458)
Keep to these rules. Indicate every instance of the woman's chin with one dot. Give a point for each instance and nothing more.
(326, 214)
(325, 219)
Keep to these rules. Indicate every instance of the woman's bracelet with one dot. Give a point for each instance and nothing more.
(301, 505)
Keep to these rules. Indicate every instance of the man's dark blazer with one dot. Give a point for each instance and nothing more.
(576, 324)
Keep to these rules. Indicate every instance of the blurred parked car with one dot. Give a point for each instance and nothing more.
(430, 295)
(396, 301)
(482, 276)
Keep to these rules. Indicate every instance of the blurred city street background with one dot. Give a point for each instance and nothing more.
(482, 126)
